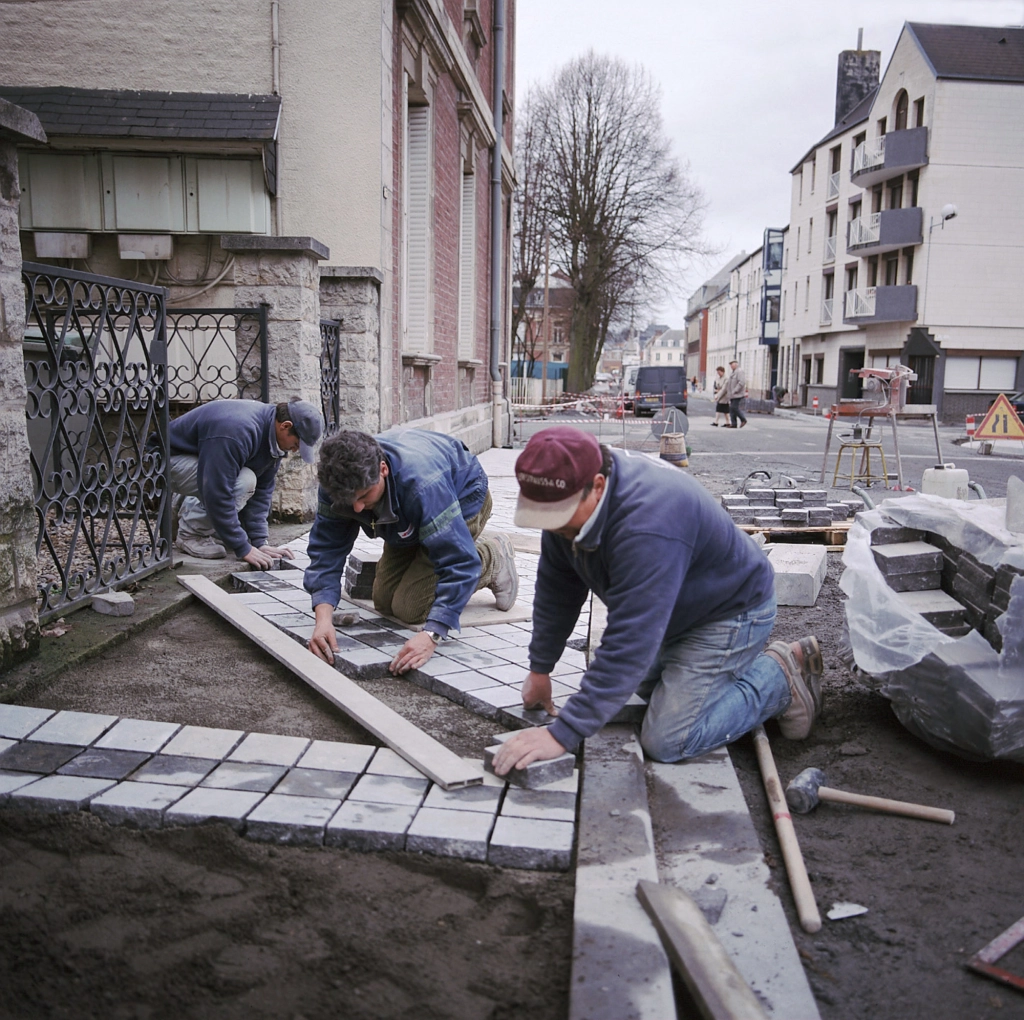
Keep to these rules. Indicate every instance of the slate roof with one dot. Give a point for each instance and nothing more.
(92, 113)
(973, 52)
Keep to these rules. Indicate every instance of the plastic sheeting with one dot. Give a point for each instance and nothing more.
(958, 694)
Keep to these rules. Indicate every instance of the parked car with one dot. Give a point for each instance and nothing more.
(659, 386)
(1016, 402)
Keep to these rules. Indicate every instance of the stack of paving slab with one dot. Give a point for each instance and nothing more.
(360, 570)
(793, 508)
(280, 789)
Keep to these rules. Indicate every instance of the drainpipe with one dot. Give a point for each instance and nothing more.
(498, 52)
(275, 62)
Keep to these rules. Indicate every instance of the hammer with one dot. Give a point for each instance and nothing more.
(806, 791)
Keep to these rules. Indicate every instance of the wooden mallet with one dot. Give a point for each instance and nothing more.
(807, 790)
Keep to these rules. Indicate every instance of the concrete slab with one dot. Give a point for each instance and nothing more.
(536, 774)
(799, 573)
(317, 783)
(233, 775)
(138, 735)
(175, 770)
(389, 763)
(448, 833)
(337, 756)
(549, 805)
(294, 820)
(390, 790)
(101, 763)
(481, 799)
(114, 603)
(17, 721)
(59, 793)
(200, 806)
(535, 844)
(361, 826)
(39, 758)
(141, 805)
(11, 781)
(267, 749)
(203, 742)
(80, 728)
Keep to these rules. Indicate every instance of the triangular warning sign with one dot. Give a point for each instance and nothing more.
(1001, 422)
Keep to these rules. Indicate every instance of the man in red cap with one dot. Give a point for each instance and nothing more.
(691, 603)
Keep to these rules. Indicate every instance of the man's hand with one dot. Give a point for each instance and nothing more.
(413, 653)
(277, 552)
(537, 692)
(258, 558)
(324, 643)
(525, 747)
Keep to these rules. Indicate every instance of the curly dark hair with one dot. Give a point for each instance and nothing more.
(349, 462)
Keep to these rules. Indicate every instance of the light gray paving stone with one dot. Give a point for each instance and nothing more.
(138, 735)
(489, 643)
(489, 778)
(267, 749)
(317, 783)
(27, 756)
(509, 673)
(448, 833)
(175, 770)
(204, 805)
(799, 572)
(361, 826)
(254, 598)
(80, 728)
(141, 805)
(203, 742)
(233, 775)
(555, 806)
(566, 669)
(570, 784)
(536, 774)
(337, 756)
(455, 686)
(11, 781)
(296, 820)
(387, 762)
(389, 790)
(502, 630)
(470, 657)
(274, 611)
(491, 700)
(5, 743)
(59, 793)
(531, 843)
(114, 603)
(483, 799)
(103, 763)
(566, 684)
(18, 721)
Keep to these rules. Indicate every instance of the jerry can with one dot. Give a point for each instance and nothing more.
(945, 480)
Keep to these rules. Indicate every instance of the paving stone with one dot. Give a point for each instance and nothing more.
(390, 790)
(317, 783)
(363, 664)
(521, 718)
(360, 826)
(175, 770)
(17, 721)
(40, 758)
(766, 521)
(794, 518)
(387, 762)
(254, 598)
(455, 686)
(760, 495)
(566, 684)
(536, 774)
(114, 603)
(482, 799)
(470, 658)
(819, 517)
(916, 582)
(489, 701)
(268, 749)
(80, 728)
(102, 763)
(141, 805)
(570, 784)
(439, 665)
(203, 742)
(489, 779)
(233, 775)
(938, 608)
(138, 735)
(799, 573)
(11, 781)
(59, 793)
(337, 756)
(555, 806)
(507, 673)
(632, 712)
(532, 843)
(301, 634)
(735, 500)
(295, 820)
(5, 743)
(907, 558)
(448, 833)
(204, 805)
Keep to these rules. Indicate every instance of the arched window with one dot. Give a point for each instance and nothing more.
(902, 103)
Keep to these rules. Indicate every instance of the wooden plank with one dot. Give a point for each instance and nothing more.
(433, 759)
(716, 985)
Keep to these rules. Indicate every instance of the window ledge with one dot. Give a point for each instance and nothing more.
(470, 362)
(421, 359)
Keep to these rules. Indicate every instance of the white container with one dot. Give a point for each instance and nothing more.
(945, 480)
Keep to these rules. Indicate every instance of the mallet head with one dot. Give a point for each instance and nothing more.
(802, 792)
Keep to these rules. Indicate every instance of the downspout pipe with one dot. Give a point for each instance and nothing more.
(498, 53)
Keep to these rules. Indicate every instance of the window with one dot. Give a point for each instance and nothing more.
(837, 154)
(913, 179)
(798, 243)
(807, 293)
(908, 265)
(819, 369)
(467, 266)
(855, 210)
(833, 223)
(416, 229)
(919, 112)
(814, 173)
(981, 373)
(657, 355)
(796, 296)
(873, 271)
(876, 199)
(829, 282)
(896, 193)
(892, 266)
(810, 234)
(783, 304)
(800, 185)
(851, 277)
(902, 104)
(880, 124)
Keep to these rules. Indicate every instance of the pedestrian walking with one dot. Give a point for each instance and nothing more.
(735, 393)
(721, 401)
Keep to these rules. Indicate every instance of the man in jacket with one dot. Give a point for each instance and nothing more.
(426, 495)
(691, 603)
(735, 391)
(224, 461)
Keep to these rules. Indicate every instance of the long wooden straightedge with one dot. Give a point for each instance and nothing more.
(444, 767)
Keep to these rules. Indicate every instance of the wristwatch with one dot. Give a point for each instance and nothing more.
(434, 636)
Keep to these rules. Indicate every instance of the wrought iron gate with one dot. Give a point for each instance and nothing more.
(330, 377)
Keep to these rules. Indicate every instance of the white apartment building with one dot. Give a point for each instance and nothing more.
(668, 348)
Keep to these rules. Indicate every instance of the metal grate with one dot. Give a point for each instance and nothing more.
(330, 377)
(96, 369)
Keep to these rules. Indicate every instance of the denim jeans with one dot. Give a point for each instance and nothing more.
(193, 518)
(736, 411)
(712, 686)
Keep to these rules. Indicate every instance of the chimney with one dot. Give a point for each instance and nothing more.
(856, 76)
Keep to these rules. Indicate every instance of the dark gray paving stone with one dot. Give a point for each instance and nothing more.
(552, 805)
(200, 806)
(175, 770)
(536, 774)
(337, 756)
(531, 843)
(448, 833)
(101, 763)
(390, 790)
(317, 783)
(791, 518)
(18, 721)
(231, 775)
(521, 718)
(140, 805)
(59, 793)
(916, 582)
(298, 821)
(41, 758)
(907, 558)
(67, 727)
(11, 781)
(764, 521)
(363, 664)
(360, 826)
(138, 735)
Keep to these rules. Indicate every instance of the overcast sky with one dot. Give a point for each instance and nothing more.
(748, 86)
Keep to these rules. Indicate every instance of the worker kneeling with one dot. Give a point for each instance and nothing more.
(690, 599)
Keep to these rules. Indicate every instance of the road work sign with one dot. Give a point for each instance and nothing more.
(1001, 422)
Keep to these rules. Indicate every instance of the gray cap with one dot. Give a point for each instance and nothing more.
(308, 425)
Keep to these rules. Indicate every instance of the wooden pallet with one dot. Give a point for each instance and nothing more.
(829, 534)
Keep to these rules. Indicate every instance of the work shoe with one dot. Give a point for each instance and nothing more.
(506, 580)
(802, 665)
(205, 547)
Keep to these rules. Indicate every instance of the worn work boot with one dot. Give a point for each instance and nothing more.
(506, 580)
(205, 547)
(801, 662)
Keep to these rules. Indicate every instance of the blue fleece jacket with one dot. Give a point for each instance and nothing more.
(665, 559)
(227, 435)
(434, 486)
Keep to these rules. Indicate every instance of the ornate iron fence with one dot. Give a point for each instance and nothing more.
(330, 376)
(96, 369)
(215, 353)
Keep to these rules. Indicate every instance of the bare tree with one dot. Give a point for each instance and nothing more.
(621, 211)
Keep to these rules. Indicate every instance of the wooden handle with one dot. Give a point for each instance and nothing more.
(890, 807)
(803, 895)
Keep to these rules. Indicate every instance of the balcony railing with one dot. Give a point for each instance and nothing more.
(860, 303)
(830, 249)
(864, 230)
(832, 191)
(869, 154)
(826, 311)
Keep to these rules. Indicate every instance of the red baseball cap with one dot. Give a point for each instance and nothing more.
(552, 472)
